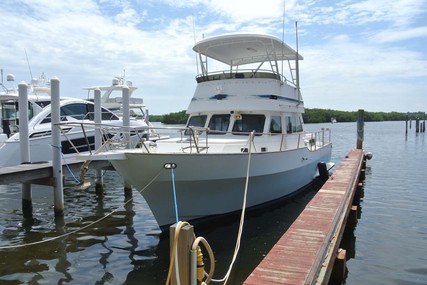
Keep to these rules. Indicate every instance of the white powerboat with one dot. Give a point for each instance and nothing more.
(75, 113)
(235, 113)
(112, 102)
(38, 98)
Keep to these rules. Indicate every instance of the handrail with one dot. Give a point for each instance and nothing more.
(113, 136)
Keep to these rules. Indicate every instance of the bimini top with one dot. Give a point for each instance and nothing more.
(237, 49)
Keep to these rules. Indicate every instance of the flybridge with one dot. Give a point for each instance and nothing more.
(235, 50)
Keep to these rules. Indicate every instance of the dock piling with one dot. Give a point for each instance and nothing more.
(183, 245)
(98, 138)
(24, 143)
(58, 195)
(126, 123)
(360, 128)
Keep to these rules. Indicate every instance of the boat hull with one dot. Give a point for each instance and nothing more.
(213, 184)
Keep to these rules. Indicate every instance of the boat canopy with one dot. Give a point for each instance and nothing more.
(238, 49)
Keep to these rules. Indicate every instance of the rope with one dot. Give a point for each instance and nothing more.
(174, 196)
(242, 217)
(84, 227)
(66, 164)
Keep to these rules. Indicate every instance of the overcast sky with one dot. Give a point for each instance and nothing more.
(368, 55)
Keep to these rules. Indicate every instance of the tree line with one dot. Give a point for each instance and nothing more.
(312, 116)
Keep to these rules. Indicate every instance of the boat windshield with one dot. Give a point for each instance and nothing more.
(81, 111)
(196, 121)
(248, 123)
(218, 124)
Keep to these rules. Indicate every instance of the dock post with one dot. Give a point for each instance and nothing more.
(417, 125)
(340, 268)
(406, 128)
(24, 143)
(184, 243)
(126, 124)
(58, 195)
(360, 130)
(98, 138)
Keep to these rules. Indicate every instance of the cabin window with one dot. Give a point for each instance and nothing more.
(219, 123)
(196, 121)
(296, 124)
(276, 125)
(9, 110)
(80, 111)
(106, 115)
(76, 111)
(248, 123)
(293, 124)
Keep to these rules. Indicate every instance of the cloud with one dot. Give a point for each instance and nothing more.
(349, 75)
(84, 43)
(396, 35)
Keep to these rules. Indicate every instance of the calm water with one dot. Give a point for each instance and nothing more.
(389, 242)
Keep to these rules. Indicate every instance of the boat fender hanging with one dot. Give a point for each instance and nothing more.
(323, 171)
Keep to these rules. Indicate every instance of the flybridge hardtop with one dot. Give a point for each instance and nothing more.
(251, 79)
(238, 49)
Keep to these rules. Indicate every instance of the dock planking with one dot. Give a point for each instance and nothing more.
(305, 254)
(39, 173)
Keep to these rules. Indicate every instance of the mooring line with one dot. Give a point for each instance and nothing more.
(84, 227)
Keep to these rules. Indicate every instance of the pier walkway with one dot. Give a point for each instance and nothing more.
(306, 253)
(41, 172)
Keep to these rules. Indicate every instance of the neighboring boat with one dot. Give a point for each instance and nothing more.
(38, 98)
(74, 138)
(114, 103)
(333, 120)
(234, 113)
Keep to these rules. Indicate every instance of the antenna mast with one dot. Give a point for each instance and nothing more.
(283, 32)
(297, 63)
(29, 67)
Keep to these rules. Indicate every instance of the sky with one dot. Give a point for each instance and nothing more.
(368, 54)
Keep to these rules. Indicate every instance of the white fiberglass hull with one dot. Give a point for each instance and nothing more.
(213, 184)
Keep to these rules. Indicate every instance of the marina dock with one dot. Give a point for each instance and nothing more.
(308, 251)
(42, 172)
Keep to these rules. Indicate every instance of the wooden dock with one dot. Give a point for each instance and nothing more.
(306, 253)
(40, 173)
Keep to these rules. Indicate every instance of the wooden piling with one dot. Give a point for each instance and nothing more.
(340, 268)
(184, 243)
(58, 195)
(24, 144)
(98, 139)
(360, 128)
(126, 124)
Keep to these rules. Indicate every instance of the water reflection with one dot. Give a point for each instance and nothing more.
(83, 241)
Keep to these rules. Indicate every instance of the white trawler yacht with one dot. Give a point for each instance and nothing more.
(248, 109)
